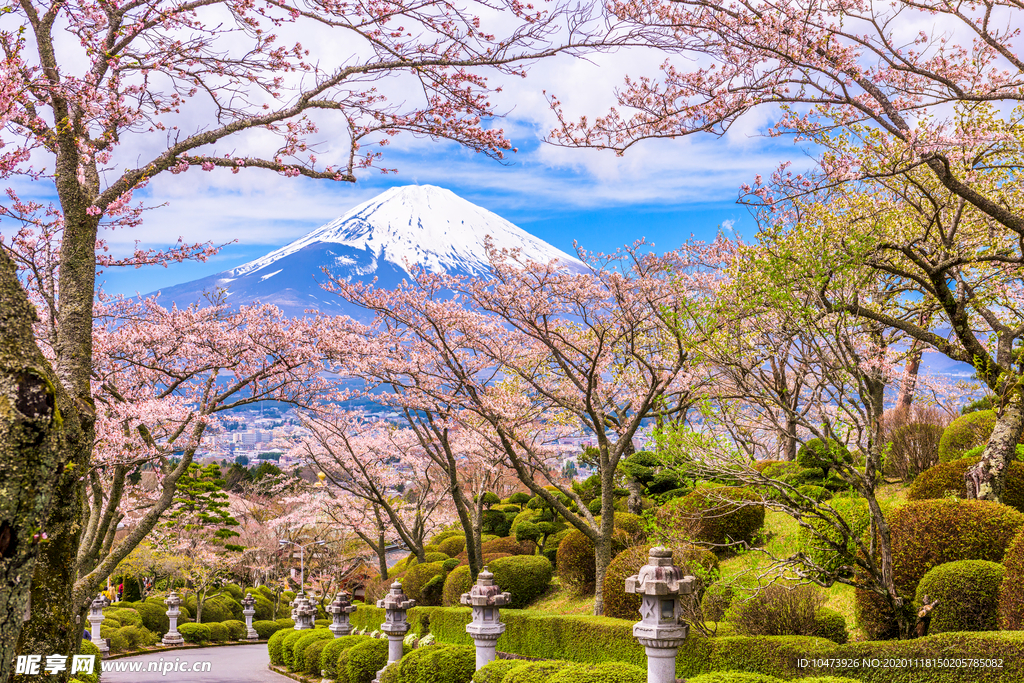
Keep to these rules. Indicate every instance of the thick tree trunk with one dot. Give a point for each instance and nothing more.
(909, 382)
(31, 452)
(986, 480)
(603, 544)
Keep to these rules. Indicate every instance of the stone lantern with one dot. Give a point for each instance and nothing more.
(660, 584)
(172, 637)
(95, 619)
(339, 609)
(485, 598)
(248, 610)
(395, 626)
(303, 612)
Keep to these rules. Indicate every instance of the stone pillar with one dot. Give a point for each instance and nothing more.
(95, 619)
(660, 584)
(395, 626)
(172, 637)
(485, 598)
(248, 611)
(303, 613)
(339, 609)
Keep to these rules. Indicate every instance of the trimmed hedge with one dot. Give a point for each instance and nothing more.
(298, 662)
(966, 432)
(594, 640)
(453, 545)
(436, 664)
(1011, 592)
(456, 583)
(622, 605)
(947, 479)
(417, 577)
(126, 615)
(526, 577)
(194, 633)
(288, 646)
(734, 677)
(311, 656)
(509, 545)
(968, 595)
(714, 515)
(87, 648)
(332, 652)
(576, 559)
(852, 510)
(535, 672)
(495, 672)
(609, 672)
(362, 661)
(154, 617)
(265, 629)
(219, 633)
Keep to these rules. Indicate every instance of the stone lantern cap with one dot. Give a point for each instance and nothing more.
(341, 604)
(659, 576)
(248, 601)
(172, 600)
(485, 593)
(396, 599)
(100, 602)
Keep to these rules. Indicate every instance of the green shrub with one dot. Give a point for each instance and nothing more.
(288, 645)
(966, 432)
(116, 642)
(874, 615)
(456, 583)
(300, 645)
(734, 677)
(234, 590)
(311, 657)
(219, 633)
(154, 617)
(111, 623)
(445, 535)
(364, 660)
(87, 648)
(778, 610)
(332, 651)
(194, 633)
(609, 672)
(831, 625)
(509, 545)
(820, 545)
(495, 672)
(576, 563)
(436, 557)
(275, 646)
(322, 623)
(968, 595)
(633, 525)
(236, 629)
(622, 605)
(526, 577)
(452, 545)
(263, 607)
(217, 608)
(417, 577)
(715, 515)
(947, 480)
(136, 636)
(823, 455)
(1011, 592)
(438, 664)
(264, 629)
(286, 622)
(535, 672)
(715, 601)
(127, 616)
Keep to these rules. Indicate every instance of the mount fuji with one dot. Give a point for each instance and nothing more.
(415, 225)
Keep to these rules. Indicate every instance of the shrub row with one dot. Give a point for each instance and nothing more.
(594, 640)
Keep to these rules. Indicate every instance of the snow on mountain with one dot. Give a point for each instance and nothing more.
(415, 225)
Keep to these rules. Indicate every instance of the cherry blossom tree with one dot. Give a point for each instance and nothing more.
(536, 349)
(912, 108)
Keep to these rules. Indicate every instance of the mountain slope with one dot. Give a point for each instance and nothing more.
(415, 225)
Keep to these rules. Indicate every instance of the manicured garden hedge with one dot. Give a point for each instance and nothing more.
(964, 433)
(575, 560)
(947, 480)
(968, 595)
(594, 640)
(622, 605)
(713, 514)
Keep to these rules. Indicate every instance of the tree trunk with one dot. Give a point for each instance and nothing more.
(909, 383)
(986, 480)
(31, 452)
(603, 544)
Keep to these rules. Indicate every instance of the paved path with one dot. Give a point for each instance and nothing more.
(235, 664)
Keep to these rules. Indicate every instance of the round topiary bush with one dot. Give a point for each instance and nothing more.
(968, 595)
(509, 545)
(286, 622)
(452, 545)
(333, 650)
(288, 645)
(576, 561)
(275, 644)
(831, 625)
(535, 672)
(364, 660)
(437, 664)
(136, 636)
(263, 607)
(265, 628)
(495, 672)
(622, 605)
(298, 662)
(632, 524)
(435, 557)
(713, 515)
(819, 454)
(217, 608)
(820, 543)
(194, 633)
(526, 577)
(456, 583)
(236, 629)
(219, 633)
(1011, 592)
(234, 590)
(153, 617)
(734, 677)
(966, 432)
(947, 480)
(311, 657)
(128, 616)
(87, 648)
(607, 672)
(417, 577)
(928, 533)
